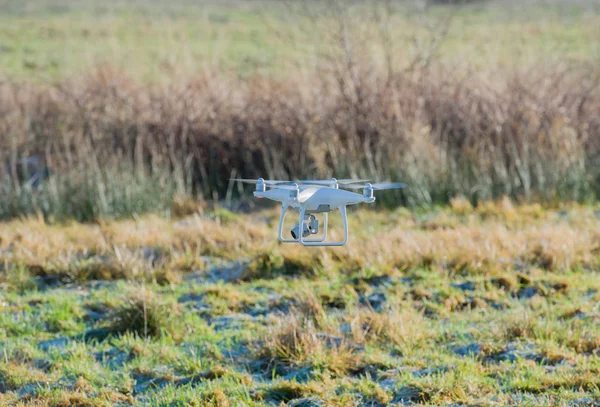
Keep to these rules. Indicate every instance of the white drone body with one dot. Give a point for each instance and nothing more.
(310, 197)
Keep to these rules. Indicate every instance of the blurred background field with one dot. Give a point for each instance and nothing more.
(50, 40)
(151, 100)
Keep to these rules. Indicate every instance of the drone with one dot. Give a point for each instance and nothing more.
(311, 197)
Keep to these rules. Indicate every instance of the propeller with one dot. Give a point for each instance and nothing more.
(331, 181)
(255, 181)
(351, 181)
(377, 187)
(287, 185)
(316, 182)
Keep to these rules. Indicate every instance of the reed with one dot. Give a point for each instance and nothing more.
(110, 146)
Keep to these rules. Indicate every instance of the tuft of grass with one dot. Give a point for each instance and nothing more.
(586, 345)
(461, 205)
(271, 265)
(294, 342)
(506, 282)
(19, 279)
(15, 376)
(284, 392)
(144, 315)
(412, 394)
(216, 398)
(227, 299)
(182, 206)
(403, 328)
(521, 328)
(76, 399)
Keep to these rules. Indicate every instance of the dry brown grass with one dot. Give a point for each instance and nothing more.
(286, 391)
(144, 315)
(295, 342)
(490, 248)
(75, 399)
(527, 134)
(217, 398)
(13, 376)
(522, 328)
(587, 345)
(154, 249)
(399, 327)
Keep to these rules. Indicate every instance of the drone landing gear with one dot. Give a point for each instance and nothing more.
(300, 229)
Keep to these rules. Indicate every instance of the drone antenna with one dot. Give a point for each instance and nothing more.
(335, 183)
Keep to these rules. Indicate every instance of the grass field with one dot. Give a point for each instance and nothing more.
(124, 105)
(53, 39)
(493, 305)
(122, 284)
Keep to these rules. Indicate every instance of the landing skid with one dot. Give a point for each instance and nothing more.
(314, 241)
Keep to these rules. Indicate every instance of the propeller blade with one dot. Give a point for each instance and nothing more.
(330, 182)
(255, 181)
(283, 186)
(377, 187)
(388, 185)
(314, 181)
(352, 181)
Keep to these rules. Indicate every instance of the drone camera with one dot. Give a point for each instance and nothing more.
(310, 226)
(295, 231)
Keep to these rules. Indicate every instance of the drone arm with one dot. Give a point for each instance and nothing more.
(325, 215)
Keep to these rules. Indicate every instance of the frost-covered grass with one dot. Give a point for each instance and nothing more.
(493, 305)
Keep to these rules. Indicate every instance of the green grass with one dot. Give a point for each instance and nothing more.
(85, 196)
(47, 41)
(494, 305)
